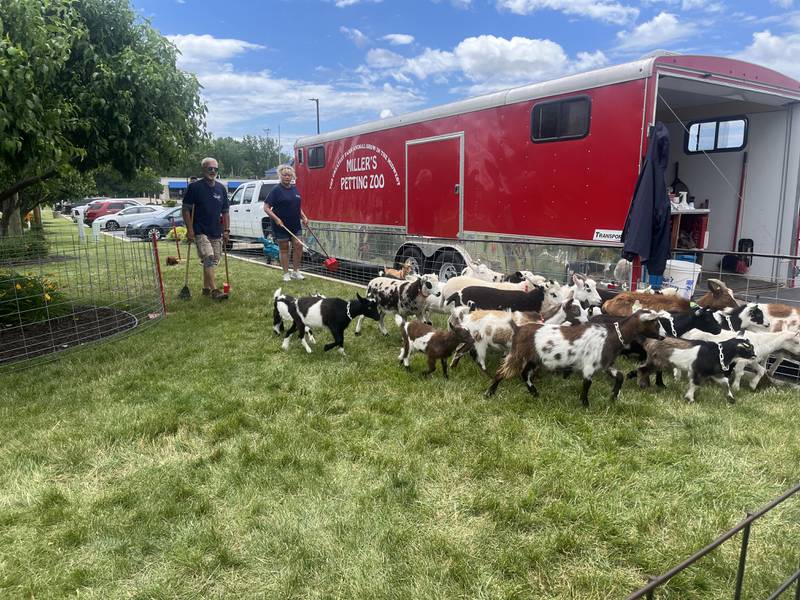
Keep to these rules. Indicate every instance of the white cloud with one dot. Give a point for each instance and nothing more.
(398, 39)
(380, 58)
(386, 113)
(197, 50)
(783, 3)
(355, 35)
(705, 5)
(235, 98)
(774, 51)
(608, 11)
(490, 63)
(663, 29)
(346, 3)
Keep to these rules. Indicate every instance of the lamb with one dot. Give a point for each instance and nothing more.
(479, 270)
(587, 348)
(700, 359)
(314, 312)
(436, 344)
(404, 271)
(718, 297)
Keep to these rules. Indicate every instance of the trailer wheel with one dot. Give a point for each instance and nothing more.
(413, 255)
(266, 227)
(447, 264)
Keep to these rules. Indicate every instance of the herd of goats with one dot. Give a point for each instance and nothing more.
(541, 324)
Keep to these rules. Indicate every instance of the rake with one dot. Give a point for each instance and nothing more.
(185, 293)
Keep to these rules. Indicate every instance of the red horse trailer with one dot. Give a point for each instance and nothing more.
(556, 162)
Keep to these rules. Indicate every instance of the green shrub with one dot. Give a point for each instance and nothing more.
(30, 245)
(181, 231)
(27, 299)
(170, 203)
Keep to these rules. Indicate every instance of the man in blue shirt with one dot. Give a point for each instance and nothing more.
(210, 227)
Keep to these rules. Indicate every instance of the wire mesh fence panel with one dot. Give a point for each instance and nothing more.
(60, 291)
(361, 253)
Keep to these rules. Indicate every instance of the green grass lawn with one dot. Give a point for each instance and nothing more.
(198, 459)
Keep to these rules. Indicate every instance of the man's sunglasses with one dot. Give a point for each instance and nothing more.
(212, 168)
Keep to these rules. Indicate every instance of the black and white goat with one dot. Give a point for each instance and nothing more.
(586, 348)
(751, 317)
(402, 297)
(675, 324)
(434, 343)
(314, 312)
(284, 309)
(700, 359)
(487, 298)
(765, 344)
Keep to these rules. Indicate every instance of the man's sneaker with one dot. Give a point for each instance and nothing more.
(218, 295)
(286, 276)
(297, 275)
(206, 291)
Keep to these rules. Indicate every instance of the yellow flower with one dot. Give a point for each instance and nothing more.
(18, 286)
(47, 297)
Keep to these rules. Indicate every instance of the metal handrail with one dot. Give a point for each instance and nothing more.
(743, 525)
(757, 254)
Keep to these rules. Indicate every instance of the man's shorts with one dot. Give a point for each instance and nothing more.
(209, 249)
(280, 234)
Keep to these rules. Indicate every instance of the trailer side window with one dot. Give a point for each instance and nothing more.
(316, 157)
(716, 135)
(561, 119)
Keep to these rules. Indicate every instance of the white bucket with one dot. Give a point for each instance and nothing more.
(683, 275)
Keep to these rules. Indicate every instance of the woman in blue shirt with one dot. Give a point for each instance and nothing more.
(283, 207)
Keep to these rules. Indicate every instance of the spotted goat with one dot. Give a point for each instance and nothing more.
(585, 348)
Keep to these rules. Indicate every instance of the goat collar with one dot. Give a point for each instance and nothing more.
(672, 325)
(348, 312)
(722, 358)
(728, 320)
(619, 333)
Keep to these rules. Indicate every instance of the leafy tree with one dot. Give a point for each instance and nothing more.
(84, 84)
(110, 182)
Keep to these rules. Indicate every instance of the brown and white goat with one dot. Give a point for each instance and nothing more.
(587, 348)
(719, 296)
(491, 329)
(435, 343)
(404, 271)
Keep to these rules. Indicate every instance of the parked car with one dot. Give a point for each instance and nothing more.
(247, 217)
(107, 207)
(114, 221)
(68, 205)
(159, 223)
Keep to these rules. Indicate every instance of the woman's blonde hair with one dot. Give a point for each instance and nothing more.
(289, 168)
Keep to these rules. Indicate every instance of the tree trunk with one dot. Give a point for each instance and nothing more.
(11, 223)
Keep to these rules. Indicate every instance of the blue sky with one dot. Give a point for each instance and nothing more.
(260, 60)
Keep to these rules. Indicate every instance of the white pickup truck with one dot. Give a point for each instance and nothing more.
(247, 216)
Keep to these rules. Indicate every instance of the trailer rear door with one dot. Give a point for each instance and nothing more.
(434, 186)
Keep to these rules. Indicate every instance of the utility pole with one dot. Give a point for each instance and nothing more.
(316, 101)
